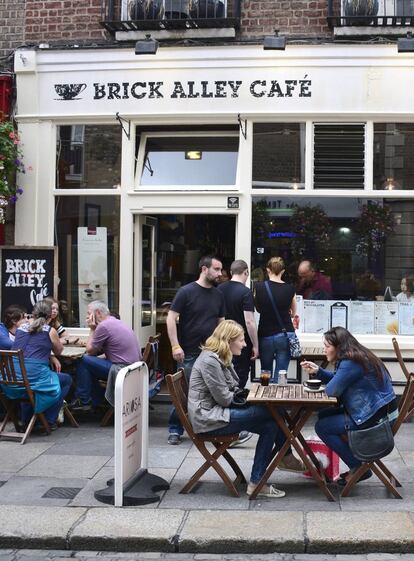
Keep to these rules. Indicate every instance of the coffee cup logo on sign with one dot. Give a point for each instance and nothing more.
(69, 91)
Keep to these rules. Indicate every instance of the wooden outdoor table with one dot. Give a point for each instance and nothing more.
(298, 405)
(72, 352)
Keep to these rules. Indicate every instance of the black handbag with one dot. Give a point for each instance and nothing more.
(371, 443)
(293, 340)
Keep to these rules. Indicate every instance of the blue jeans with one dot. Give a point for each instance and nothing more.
(89, 371)
(174, 424)
(257, 419)
(275, 347)
(51, 414)
(330, 428)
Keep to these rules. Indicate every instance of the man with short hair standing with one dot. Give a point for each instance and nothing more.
(199, 306)
(110, 336)
(240, 307)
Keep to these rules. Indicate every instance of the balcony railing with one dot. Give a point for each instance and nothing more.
(372, 13)
(141, 15)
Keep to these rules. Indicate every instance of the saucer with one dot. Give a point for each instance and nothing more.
(312, 390)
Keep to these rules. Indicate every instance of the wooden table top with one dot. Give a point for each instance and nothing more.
(290, 394)
(73, 351)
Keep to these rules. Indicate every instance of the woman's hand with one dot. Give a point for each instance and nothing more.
(55, 364)
(310, 367)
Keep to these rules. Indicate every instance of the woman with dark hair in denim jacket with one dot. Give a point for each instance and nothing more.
(364, 390)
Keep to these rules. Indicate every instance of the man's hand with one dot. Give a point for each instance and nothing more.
(91, 321)
(178, 353)
(55, 364)
(255, 353)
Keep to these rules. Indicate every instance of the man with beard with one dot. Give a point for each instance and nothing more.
(200, 308)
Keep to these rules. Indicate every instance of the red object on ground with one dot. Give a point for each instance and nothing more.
(6, 88)
(327, 458)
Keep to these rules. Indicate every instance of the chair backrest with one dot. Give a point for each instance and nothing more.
(406, 405)
(150, 354)
(8, 376)
(178, 388)
(400, 358)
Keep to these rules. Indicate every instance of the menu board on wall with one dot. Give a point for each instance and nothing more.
(92, 268)
(339, 314)
(28, 274)
(362, 317)
(386, 318)
(406, 318)
(316, 316)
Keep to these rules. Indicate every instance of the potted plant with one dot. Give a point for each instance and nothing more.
(375, 223)
(10, 163)
(363, 8)
(312, 228)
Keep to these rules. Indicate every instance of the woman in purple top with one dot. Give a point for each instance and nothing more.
(37, 340)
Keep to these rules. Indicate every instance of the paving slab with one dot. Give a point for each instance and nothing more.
(206, 495)
(359, 532)
(214, 531)
(29, 490)
(37, 527)
(65, 466)
(14, 456)
(127, 529)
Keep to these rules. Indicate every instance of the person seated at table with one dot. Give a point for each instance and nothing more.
(214, 400)
(56, 322)
(111, 337)
(13, 316)
(37, 340)
(313, 284)
(363, 387)
(407, 290)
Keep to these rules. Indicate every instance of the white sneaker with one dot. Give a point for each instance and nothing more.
(61, 415)
(244, 436)
(269, 491)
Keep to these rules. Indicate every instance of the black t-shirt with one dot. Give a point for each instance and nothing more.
(283, 294)
(238, 299)
(199, 310)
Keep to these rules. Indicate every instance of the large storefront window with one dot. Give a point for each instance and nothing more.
(188, 160)
(87, 235)
(279, 155)
(88, 157)
(364, 246)
(393, 156)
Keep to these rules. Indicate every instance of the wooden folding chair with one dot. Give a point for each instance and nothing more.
(8, 378)
(148, 357)
(178, 388)
(377, 466)
(406, 372)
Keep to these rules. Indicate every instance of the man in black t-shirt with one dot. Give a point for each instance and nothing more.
(199, 306)
(240, 307)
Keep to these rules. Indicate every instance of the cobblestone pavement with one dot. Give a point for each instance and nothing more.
(61, 555)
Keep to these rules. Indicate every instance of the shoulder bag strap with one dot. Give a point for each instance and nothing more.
(272, 300)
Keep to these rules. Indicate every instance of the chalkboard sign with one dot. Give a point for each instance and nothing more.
(28, 274)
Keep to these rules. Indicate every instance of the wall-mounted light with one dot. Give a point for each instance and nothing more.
(193, 155)
(274, 42)
(146, 46)
(406, 44)
(345, 230)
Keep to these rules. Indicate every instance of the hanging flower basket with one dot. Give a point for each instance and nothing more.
(11, 162)
(375, 223)
(312, 229)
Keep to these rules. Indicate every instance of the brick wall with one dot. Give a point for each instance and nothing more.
(59, 20)
(297, 17)
(11, 27)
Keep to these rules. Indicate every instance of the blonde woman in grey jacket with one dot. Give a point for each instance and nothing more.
(214, 401)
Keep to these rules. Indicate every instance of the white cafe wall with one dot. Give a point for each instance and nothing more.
(351, 83)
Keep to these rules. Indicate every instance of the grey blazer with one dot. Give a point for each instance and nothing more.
(210, 393)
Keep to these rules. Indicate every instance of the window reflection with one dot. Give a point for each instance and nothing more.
(190, 161)
(393, 160)
(279, 155)
(73, 214)
(88, 156)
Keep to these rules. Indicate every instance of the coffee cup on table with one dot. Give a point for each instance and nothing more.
(314, 383)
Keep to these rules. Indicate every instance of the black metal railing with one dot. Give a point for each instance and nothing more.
(373, 13)
(136, 15)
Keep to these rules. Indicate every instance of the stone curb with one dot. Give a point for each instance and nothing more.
(205, 531)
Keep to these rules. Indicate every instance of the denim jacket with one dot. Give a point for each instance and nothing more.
(361, 393)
